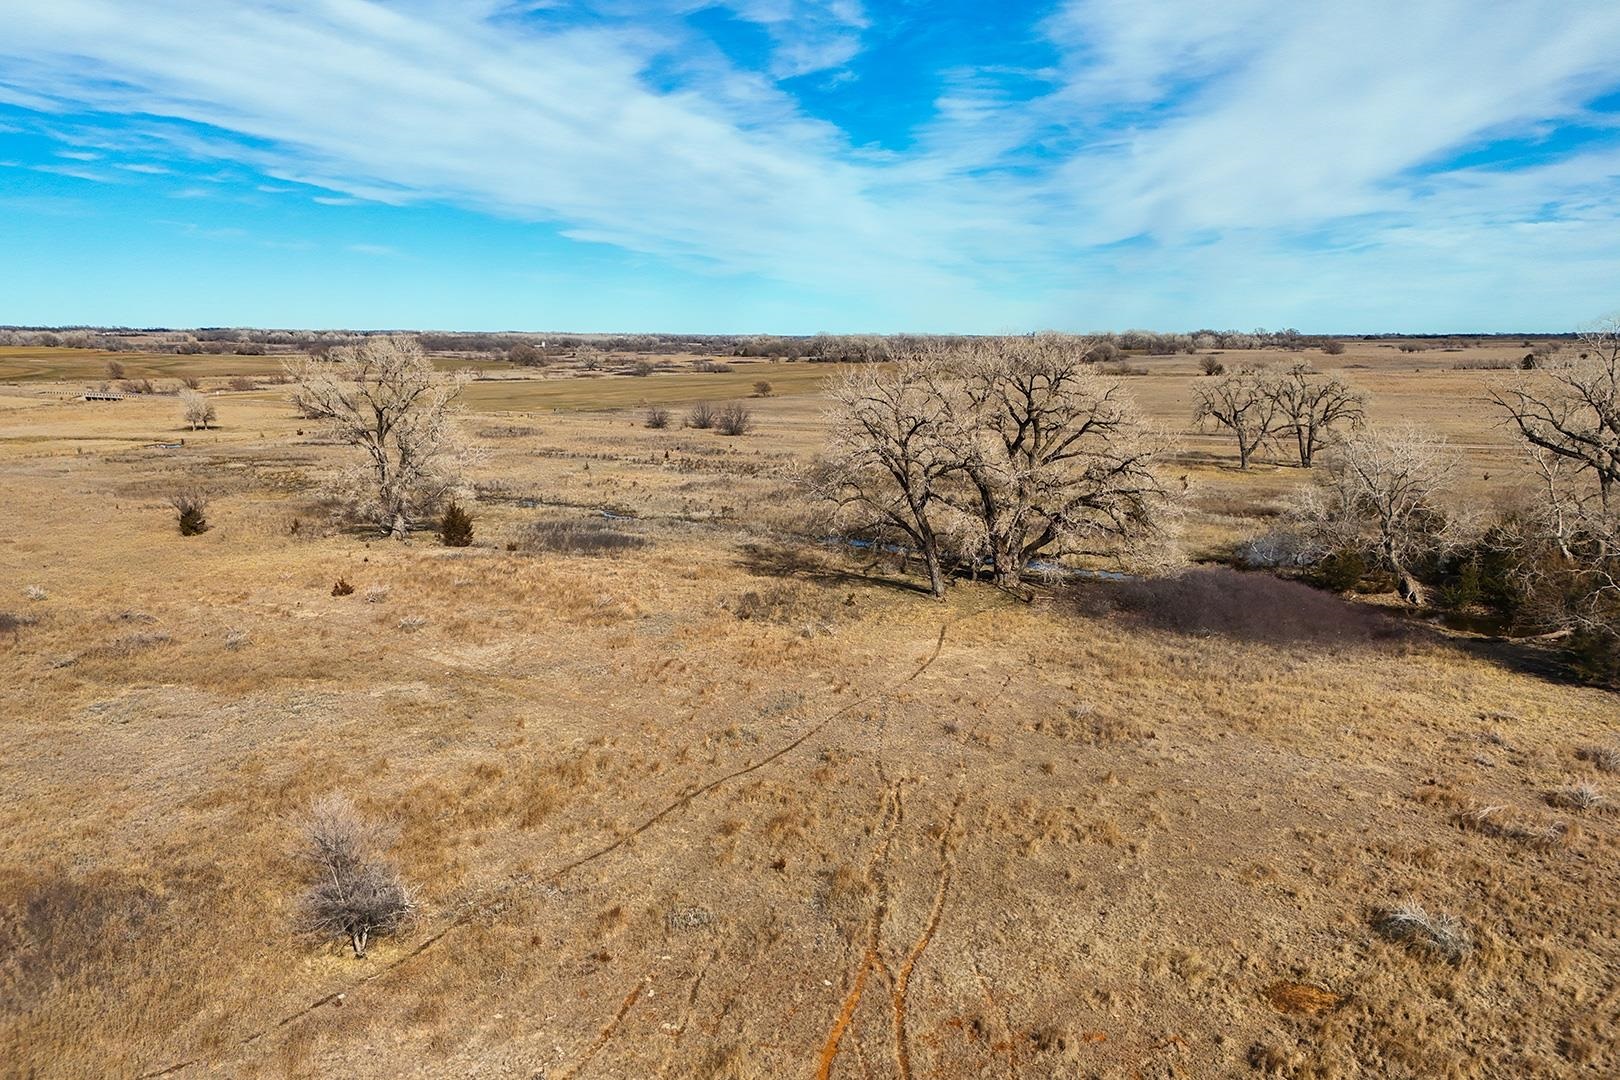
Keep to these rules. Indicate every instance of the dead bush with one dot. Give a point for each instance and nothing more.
(1578, 796)
(12, 623)
(242, 382)
(1249, 607)
(657, 417)
(190, 511)
(355, 893)
(700, 416)
(579, 538)
(733, 420)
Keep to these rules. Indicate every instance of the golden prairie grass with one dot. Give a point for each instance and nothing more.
(660, 804)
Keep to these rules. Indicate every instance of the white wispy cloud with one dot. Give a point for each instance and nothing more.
(1292, 150)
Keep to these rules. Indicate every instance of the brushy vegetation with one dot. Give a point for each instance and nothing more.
(701, 416)
(657, 417)
(356, 893)
(590, 537)
(733, 419)
(190, 511)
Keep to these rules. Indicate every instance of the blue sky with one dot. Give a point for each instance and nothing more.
(805, 165)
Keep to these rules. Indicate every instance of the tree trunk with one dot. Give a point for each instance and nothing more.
(396, 530)
(1411, 589)
(1007, 565)
(936, 574)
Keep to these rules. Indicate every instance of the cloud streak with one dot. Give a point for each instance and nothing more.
(1265, 135)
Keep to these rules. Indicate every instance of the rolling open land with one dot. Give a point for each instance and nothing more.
(725, 801)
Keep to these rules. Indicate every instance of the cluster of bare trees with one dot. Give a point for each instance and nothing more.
(1568, 413)
(385, 398)
(1262, 408)
(995, 453)
(1381, 496)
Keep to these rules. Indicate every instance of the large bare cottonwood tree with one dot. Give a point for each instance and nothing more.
(1243, 404)
(1570, 408)
(384, 397)
(892, 448)
(1310, 405)
(1000, 451)
(1057, 459)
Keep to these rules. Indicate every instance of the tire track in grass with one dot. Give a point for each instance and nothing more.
(501, 898)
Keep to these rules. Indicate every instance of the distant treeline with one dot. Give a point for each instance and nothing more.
(539, 347)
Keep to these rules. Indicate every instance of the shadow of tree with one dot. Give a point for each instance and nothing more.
(801, 560)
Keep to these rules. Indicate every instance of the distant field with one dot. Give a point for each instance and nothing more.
(628, 391)
(31, 364)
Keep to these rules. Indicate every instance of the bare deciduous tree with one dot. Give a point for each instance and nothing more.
(199, 409)
(1381, 495)
(1570, 407)
(1242, 403)
(1309, 406)
(356, 892)
(892, 448)
(1057, 461)
(384, 397)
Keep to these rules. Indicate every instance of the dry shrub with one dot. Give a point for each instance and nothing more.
(1602, 758)
(12, 623)
(341, 587)
(658, 417)
(1247, 607)
(578, 538)
(733, 420)
(1438, 935)
(1578, 796)
(507, 431)
(191, 511)
(700, 416)
(355, 893)
(242, 382)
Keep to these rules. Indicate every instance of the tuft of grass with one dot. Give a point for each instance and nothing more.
(1442, 936)
(1578, 796)
(34, 592)
(341, 587)
(1602, 758)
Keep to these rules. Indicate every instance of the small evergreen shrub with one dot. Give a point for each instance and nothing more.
(456, 527)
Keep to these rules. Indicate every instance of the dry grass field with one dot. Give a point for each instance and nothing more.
(724, 802)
